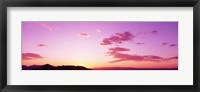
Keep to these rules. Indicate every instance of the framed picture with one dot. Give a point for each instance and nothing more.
(105, 45)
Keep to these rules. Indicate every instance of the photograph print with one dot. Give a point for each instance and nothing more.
(99, 45)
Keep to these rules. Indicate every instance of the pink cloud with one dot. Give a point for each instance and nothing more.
(176, 57)
(164, 43)
(144, 34)
(42, 45)
(124, 57)
(118, 49)
(106, 41)
(168, 44)
(115, 52)
(139, 43)
(153, 58)
(127, 57)
(154, 32)
(172, 45)
(30, 56)
(84, 35)
(118, 38)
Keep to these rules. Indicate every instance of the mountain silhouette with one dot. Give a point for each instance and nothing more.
(24, 67)
(51, 67)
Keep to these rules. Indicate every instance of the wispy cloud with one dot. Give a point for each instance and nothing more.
(169, 44)
(172, 45)
(154, 32)
(84, 35)
(139, 43)
(98, 30)
(140, 33)
(176, 57)
(30, 56)
(42, 45)
(47, 26)
(121, 57)
(118, 49)
(164, 43)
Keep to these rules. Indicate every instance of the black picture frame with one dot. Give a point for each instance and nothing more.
(98, 3)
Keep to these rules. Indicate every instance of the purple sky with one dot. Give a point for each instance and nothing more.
(79, 43)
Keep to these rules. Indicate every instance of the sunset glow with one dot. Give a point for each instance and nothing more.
(101, 45)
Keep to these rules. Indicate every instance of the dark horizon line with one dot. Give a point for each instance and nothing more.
(85, 68)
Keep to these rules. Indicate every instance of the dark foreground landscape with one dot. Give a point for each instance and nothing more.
(72, 67)
(51, 67)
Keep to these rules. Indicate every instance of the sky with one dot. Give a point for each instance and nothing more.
(101, 44)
